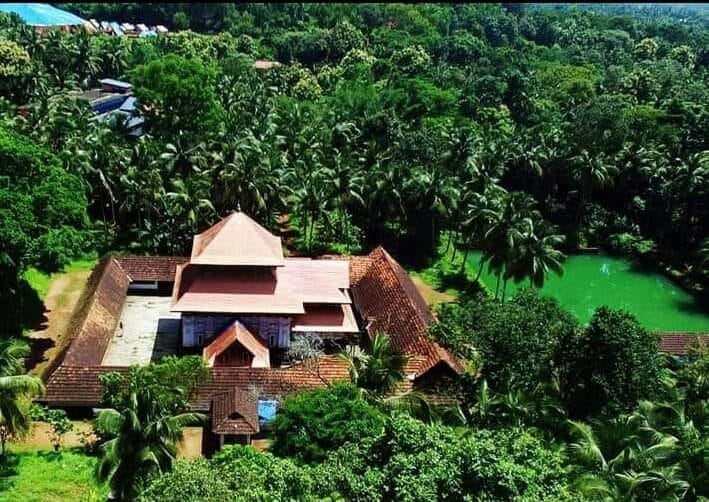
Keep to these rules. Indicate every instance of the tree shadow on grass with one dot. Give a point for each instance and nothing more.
(38, 349)
(49, 455)
(8, 470)
(692, 306)
(32, 309)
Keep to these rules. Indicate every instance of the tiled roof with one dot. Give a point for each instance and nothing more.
(260, 290)
(77, 385)
(237, 240)
(679, 343)
(326, 319)
(389, 302)
(151, 268)
(273, 382)
(97, 315)
(80, 386)
(235, 412)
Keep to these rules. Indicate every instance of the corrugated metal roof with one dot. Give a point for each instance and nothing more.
(42, 14)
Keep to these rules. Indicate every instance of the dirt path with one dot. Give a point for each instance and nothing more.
(429, 294)
(64, 292)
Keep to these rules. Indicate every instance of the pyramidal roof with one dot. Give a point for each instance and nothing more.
(237, 240)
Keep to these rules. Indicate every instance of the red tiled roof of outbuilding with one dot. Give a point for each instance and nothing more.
(389, 302)
(95, 320)
(678, 344)
(151, 268)
(235, 412)
(80, 385)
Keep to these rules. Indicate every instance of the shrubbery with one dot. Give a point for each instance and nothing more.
(309, 424)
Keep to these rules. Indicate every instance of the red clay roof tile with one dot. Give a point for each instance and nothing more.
(389, 302)
(679, 343)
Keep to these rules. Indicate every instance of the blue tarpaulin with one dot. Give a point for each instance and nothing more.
(266, 410)
(41, 14)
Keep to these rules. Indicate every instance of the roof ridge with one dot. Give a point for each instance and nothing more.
(440, 352)
(391, 261)
(118, 262)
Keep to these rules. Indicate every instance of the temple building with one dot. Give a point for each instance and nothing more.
(242, 306)
(237, 279)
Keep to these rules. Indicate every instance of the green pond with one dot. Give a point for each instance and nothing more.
(593, 280)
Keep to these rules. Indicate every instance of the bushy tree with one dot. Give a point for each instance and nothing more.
(309, 424)
(414, 461)
(57, 420)
(517, 341)
(40, 204)
(15, 65)
(610, 365)
(177, 94)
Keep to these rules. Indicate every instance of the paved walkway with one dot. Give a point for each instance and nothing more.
(146, 332)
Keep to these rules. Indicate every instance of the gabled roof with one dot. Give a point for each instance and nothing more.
(235, 412)
(237, 333)
(237, 240)
(389, 302)
(95, 319)
(151, 268)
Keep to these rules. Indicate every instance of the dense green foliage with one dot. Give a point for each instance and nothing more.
(310, 424)
(521, 131)
(145, 421)
(42, 219)
(408, 460)
(178, 95)
(614, 361)
(524, 132)
(516, 345)
(517, 341)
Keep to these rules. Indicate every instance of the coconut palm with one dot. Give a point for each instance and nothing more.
(143, 440)
(536, 255)
(689, 180)
(618, 461)
(378, 368)
(505, 233)
(15, 389)
(704, 253)
(687, 423)
(589, 173)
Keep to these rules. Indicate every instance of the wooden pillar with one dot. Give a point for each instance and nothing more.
(221, 441)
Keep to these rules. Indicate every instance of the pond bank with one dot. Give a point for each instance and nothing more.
(592, 280)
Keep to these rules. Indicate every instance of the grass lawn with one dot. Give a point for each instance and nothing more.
(38, 475)
(40, 281)
(446, 275)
